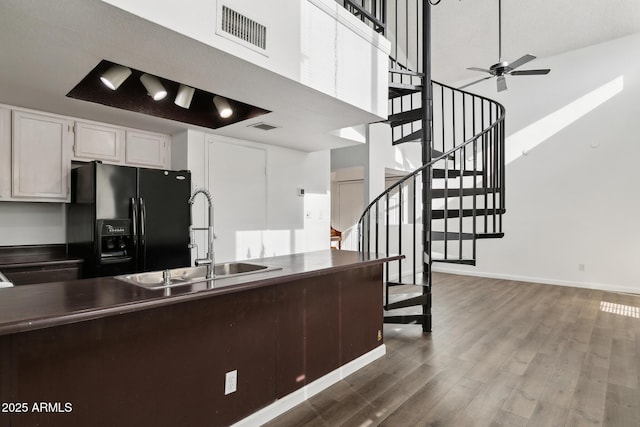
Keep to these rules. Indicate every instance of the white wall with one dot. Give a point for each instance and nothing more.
(32, 223)
(294, 224)
(573, 198)
(315, 42)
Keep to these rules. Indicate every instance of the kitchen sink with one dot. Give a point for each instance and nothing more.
(187, 275)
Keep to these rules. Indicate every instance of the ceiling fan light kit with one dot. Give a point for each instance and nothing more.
(504, 68)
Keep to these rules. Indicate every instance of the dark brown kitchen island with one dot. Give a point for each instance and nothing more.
(105, 352)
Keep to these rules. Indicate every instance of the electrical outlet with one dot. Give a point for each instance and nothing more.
(230, 382)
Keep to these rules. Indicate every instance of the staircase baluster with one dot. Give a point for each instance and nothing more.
(413, 202)
(400, 219)
(369, 231)
(377, 228)
(442, 118)
(475, 192)
(386, 240)
(383, 7)
(460, 203)
(494, 177)
(485, 165)
(502, 174)
(453, 124)
(446, 209)
(464, 127)
(395, 36)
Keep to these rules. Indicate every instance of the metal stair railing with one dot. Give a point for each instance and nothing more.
(371, 12)
(468, 133)
(457, 195)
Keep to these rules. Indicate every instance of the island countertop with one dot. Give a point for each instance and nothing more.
(31, 307)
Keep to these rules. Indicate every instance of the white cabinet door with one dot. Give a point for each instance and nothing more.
(5, 154)
(95, 141)
(40, 157)
(147, 149)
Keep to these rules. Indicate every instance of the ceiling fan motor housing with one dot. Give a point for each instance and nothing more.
(500, 68)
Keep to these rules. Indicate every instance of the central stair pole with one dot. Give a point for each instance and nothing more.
(427, 175)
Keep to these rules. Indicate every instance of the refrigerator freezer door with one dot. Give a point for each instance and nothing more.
(164, 216)
(115, 186)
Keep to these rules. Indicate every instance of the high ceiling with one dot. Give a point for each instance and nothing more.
(47, 47)
(465, 32)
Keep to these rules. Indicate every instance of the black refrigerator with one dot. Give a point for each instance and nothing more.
(125, 219)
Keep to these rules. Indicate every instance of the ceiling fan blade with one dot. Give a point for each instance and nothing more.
(474, 82)
(521, 61)
(501, 83)
(529, 72)
(479, 69)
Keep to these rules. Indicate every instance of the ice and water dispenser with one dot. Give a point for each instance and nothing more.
(116, 241)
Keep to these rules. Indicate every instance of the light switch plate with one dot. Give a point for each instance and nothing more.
(230, 382)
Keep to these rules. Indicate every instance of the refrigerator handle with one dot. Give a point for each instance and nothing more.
(134, 231)
(134, 220)
(143, 249)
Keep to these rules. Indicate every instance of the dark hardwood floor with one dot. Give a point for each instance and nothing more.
(501, 353)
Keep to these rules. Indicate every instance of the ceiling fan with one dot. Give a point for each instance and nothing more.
(503, 68)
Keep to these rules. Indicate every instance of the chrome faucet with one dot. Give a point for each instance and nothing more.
(209, 261)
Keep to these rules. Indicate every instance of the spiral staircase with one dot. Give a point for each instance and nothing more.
(438, 212)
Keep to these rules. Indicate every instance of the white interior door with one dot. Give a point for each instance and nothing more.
(350, 207)
(237, 181)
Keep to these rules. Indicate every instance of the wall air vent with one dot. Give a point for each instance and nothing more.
(264, 126)
(244, 28)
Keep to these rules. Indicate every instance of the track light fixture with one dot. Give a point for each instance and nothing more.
(184, 96)
(153, 86)
(223, 107)
(129, 87)
(115, 76)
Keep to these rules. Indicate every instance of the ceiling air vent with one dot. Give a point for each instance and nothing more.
(244, 28)
(263, 126)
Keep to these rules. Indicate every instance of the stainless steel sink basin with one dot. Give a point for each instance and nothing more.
(187, 275)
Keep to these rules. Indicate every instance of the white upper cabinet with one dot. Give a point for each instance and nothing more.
(97, 141)
(147, 149)
(5, 153)
(40, 156)
(36, 150)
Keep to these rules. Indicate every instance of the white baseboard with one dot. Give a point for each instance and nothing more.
(586, 285)
(281, 406)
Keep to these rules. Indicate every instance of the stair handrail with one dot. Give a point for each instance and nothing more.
(372, 12)
(442, 156)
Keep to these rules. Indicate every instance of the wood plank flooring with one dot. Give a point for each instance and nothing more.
(502, 353)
